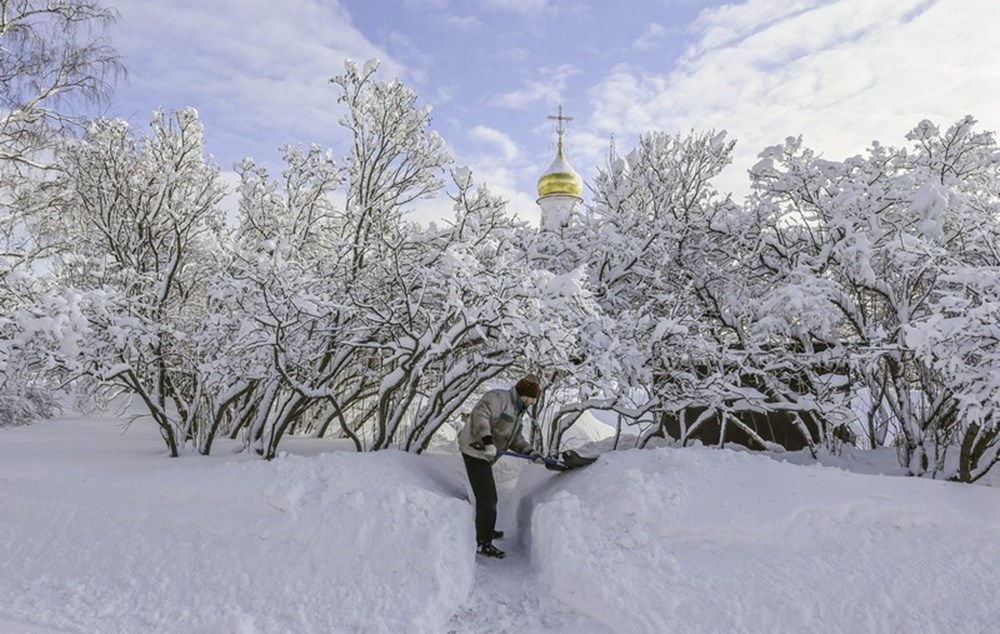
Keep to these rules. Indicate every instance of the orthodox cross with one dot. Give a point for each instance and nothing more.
(559, 126)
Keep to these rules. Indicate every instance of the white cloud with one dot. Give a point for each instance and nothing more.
(230, 203)
(496, 138)
(499, 180)
(257, 73)
(463, 22)
(842, 73)
(425, 5)
(651, 37)
(425, 211)
(547, 90)
(505, 183)
(524, 7)
(534, 91)
(621, 102)
(505, 173)
(514, 54)
(727, 25)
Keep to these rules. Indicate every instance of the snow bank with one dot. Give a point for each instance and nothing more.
(670, 540)
(337, 542)
(585, 430)
(100, 532)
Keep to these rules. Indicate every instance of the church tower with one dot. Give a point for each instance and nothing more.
(560, 188)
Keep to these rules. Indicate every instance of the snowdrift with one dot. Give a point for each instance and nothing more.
(338, 542)
(100, 532)
(684, 540)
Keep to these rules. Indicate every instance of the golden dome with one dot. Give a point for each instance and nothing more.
(560, 179)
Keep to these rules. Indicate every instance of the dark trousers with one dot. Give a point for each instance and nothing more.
(485, 489)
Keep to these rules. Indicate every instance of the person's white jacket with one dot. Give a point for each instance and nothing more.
(497, 414)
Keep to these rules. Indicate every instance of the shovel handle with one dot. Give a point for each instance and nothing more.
(514, 454)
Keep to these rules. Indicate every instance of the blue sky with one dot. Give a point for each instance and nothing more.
(840, 72)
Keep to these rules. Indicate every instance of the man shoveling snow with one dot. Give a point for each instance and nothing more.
(495, 426)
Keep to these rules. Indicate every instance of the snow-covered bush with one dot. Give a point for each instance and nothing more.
(861, 247)
(54, 59)
(313, 285)
(343, 318)
(960, 341)
(672, 270)
(143, 220)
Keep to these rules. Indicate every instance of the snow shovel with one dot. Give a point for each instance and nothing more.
(567, 460)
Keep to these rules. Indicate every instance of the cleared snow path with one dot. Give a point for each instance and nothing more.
(508, 595)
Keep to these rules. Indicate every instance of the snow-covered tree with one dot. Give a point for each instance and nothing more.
(143, 219)
(395, 158)
(503, 313)
(665, 269)
(858, 248)
(959, 339)
(275, 321)
(54, 63)
(316, 269)
(455, 300)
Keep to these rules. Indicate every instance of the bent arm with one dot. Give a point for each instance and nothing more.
(520, 445)
(479, 421)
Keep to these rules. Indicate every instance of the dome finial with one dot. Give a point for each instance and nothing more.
(560, 179)
(560, 128)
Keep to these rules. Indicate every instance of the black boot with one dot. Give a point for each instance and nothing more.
(497, 534)
(490, 550)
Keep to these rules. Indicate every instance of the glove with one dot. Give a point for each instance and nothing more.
(536, 456)
(487, 447)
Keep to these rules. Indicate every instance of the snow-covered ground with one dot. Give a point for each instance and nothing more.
(101, 532)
